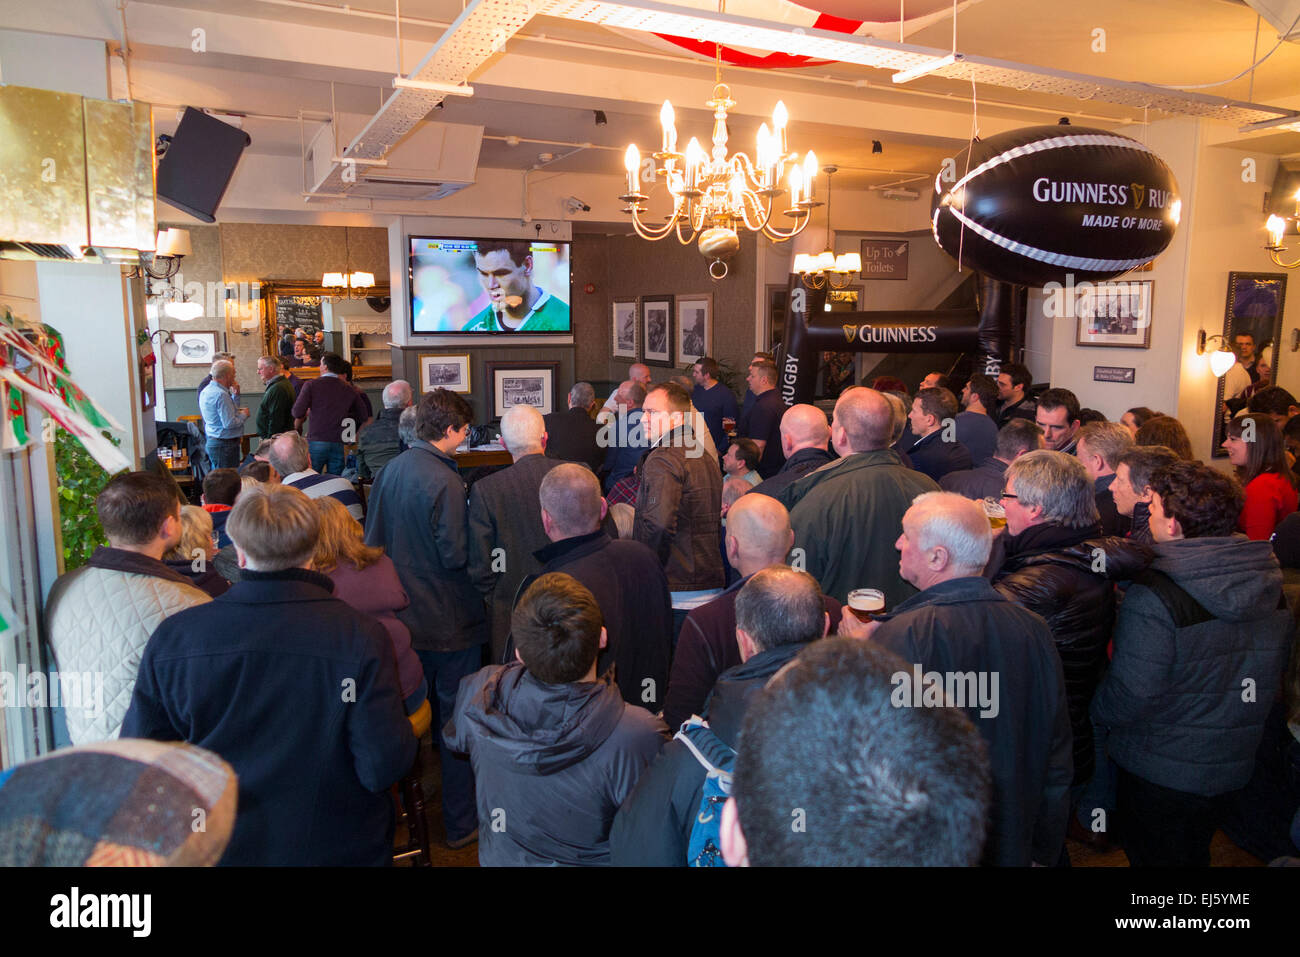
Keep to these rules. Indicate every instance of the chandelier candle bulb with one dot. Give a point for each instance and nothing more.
(670, 132)
(796, 185)
(1276, 226)
(810, 170)
(632, 162)
(779, 118)
(696, 159)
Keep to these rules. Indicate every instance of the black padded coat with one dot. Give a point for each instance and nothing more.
(1068, 575)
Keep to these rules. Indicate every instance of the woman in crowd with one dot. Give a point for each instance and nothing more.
(1254, 446)
(366, 579)
(1167, 431)
(192, 557)
(1137, 417)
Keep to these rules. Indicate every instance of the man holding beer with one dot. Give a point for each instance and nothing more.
(960, 624)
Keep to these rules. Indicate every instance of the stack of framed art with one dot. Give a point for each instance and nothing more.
(667, 331)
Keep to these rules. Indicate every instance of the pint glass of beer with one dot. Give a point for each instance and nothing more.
(866, 603)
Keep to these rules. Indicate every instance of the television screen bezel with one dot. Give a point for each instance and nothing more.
(500, 336)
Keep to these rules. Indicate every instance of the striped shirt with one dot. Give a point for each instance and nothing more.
(315, 485)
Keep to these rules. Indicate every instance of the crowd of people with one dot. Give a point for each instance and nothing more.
(644, 643)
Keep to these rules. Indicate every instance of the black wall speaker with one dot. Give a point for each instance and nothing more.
(196, 169)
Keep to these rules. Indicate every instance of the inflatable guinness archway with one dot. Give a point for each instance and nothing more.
(985, 332)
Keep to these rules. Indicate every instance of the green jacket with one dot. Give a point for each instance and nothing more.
(846, 517)
(275, 413)
(551, 315)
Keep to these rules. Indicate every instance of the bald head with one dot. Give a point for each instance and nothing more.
(732, 490)
(863, 421)
(521, 430)
(804, 427)
(630, 393)
(397, 394)
(571, 501)
(639, 372)
(758, 533)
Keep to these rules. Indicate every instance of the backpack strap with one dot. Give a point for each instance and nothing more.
(1182, 607)
(711, 751)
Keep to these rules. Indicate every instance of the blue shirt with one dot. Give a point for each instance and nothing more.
(221, 418)
(716, 404)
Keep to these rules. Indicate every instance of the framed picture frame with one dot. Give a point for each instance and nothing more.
(623, 331)
(526, 383)
(657, 331)
(1114, 315)
(448, 371)
(195, 347)
(694, 327)
(1253, 308)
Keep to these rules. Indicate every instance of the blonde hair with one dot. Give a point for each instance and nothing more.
(341, 537)
(276, 527)
(246, 482)
(196, 534)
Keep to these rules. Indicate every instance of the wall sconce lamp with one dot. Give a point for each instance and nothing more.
(1221, 359)
(172, 246)
(243, 312)
(167, 344)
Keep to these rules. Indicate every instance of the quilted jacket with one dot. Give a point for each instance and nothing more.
(99, 618)
(1068, 576)
(1177, 699)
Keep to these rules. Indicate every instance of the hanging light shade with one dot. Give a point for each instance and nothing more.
(848, 262)
(183, 311)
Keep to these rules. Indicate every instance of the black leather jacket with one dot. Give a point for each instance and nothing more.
(1068, 575)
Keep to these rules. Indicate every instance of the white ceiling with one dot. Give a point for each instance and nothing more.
(1156, 41)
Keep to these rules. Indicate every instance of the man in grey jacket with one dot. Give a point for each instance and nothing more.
(556, 750)
(1201, 644)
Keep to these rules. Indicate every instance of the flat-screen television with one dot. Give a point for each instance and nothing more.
(488, 286)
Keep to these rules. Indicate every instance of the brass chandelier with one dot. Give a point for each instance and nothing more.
(715, 194)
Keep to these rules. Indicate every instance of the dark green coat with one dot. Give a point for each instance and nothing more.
(846, 517)
(275, 413)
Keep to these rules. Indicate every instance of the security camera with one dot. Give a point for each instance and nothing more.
(575, 205)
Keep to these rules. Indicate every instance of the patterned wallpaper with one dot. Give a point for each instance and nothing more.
(627, 267)
(248, 252)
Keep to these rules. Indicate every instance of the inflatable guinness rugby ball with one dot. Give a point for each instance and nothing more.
(1034, 205)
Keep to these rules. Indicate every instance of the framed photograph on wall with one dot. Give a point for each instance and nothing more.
(523, 383)
(623, 331)
(1116, 315)
(195, 348)
(657, 330)
(450, 372)
(694, 327)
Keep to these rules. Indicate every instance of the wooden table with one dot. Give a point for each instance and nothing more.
(478, 458)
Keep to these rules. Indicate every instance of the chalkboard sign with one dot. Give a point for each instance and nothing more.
(298, 312)
(291, 306)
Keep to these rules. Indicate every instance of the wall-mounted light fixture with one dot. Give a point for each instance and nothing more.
(167, 344)
(172, 245)
(1221, 359)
